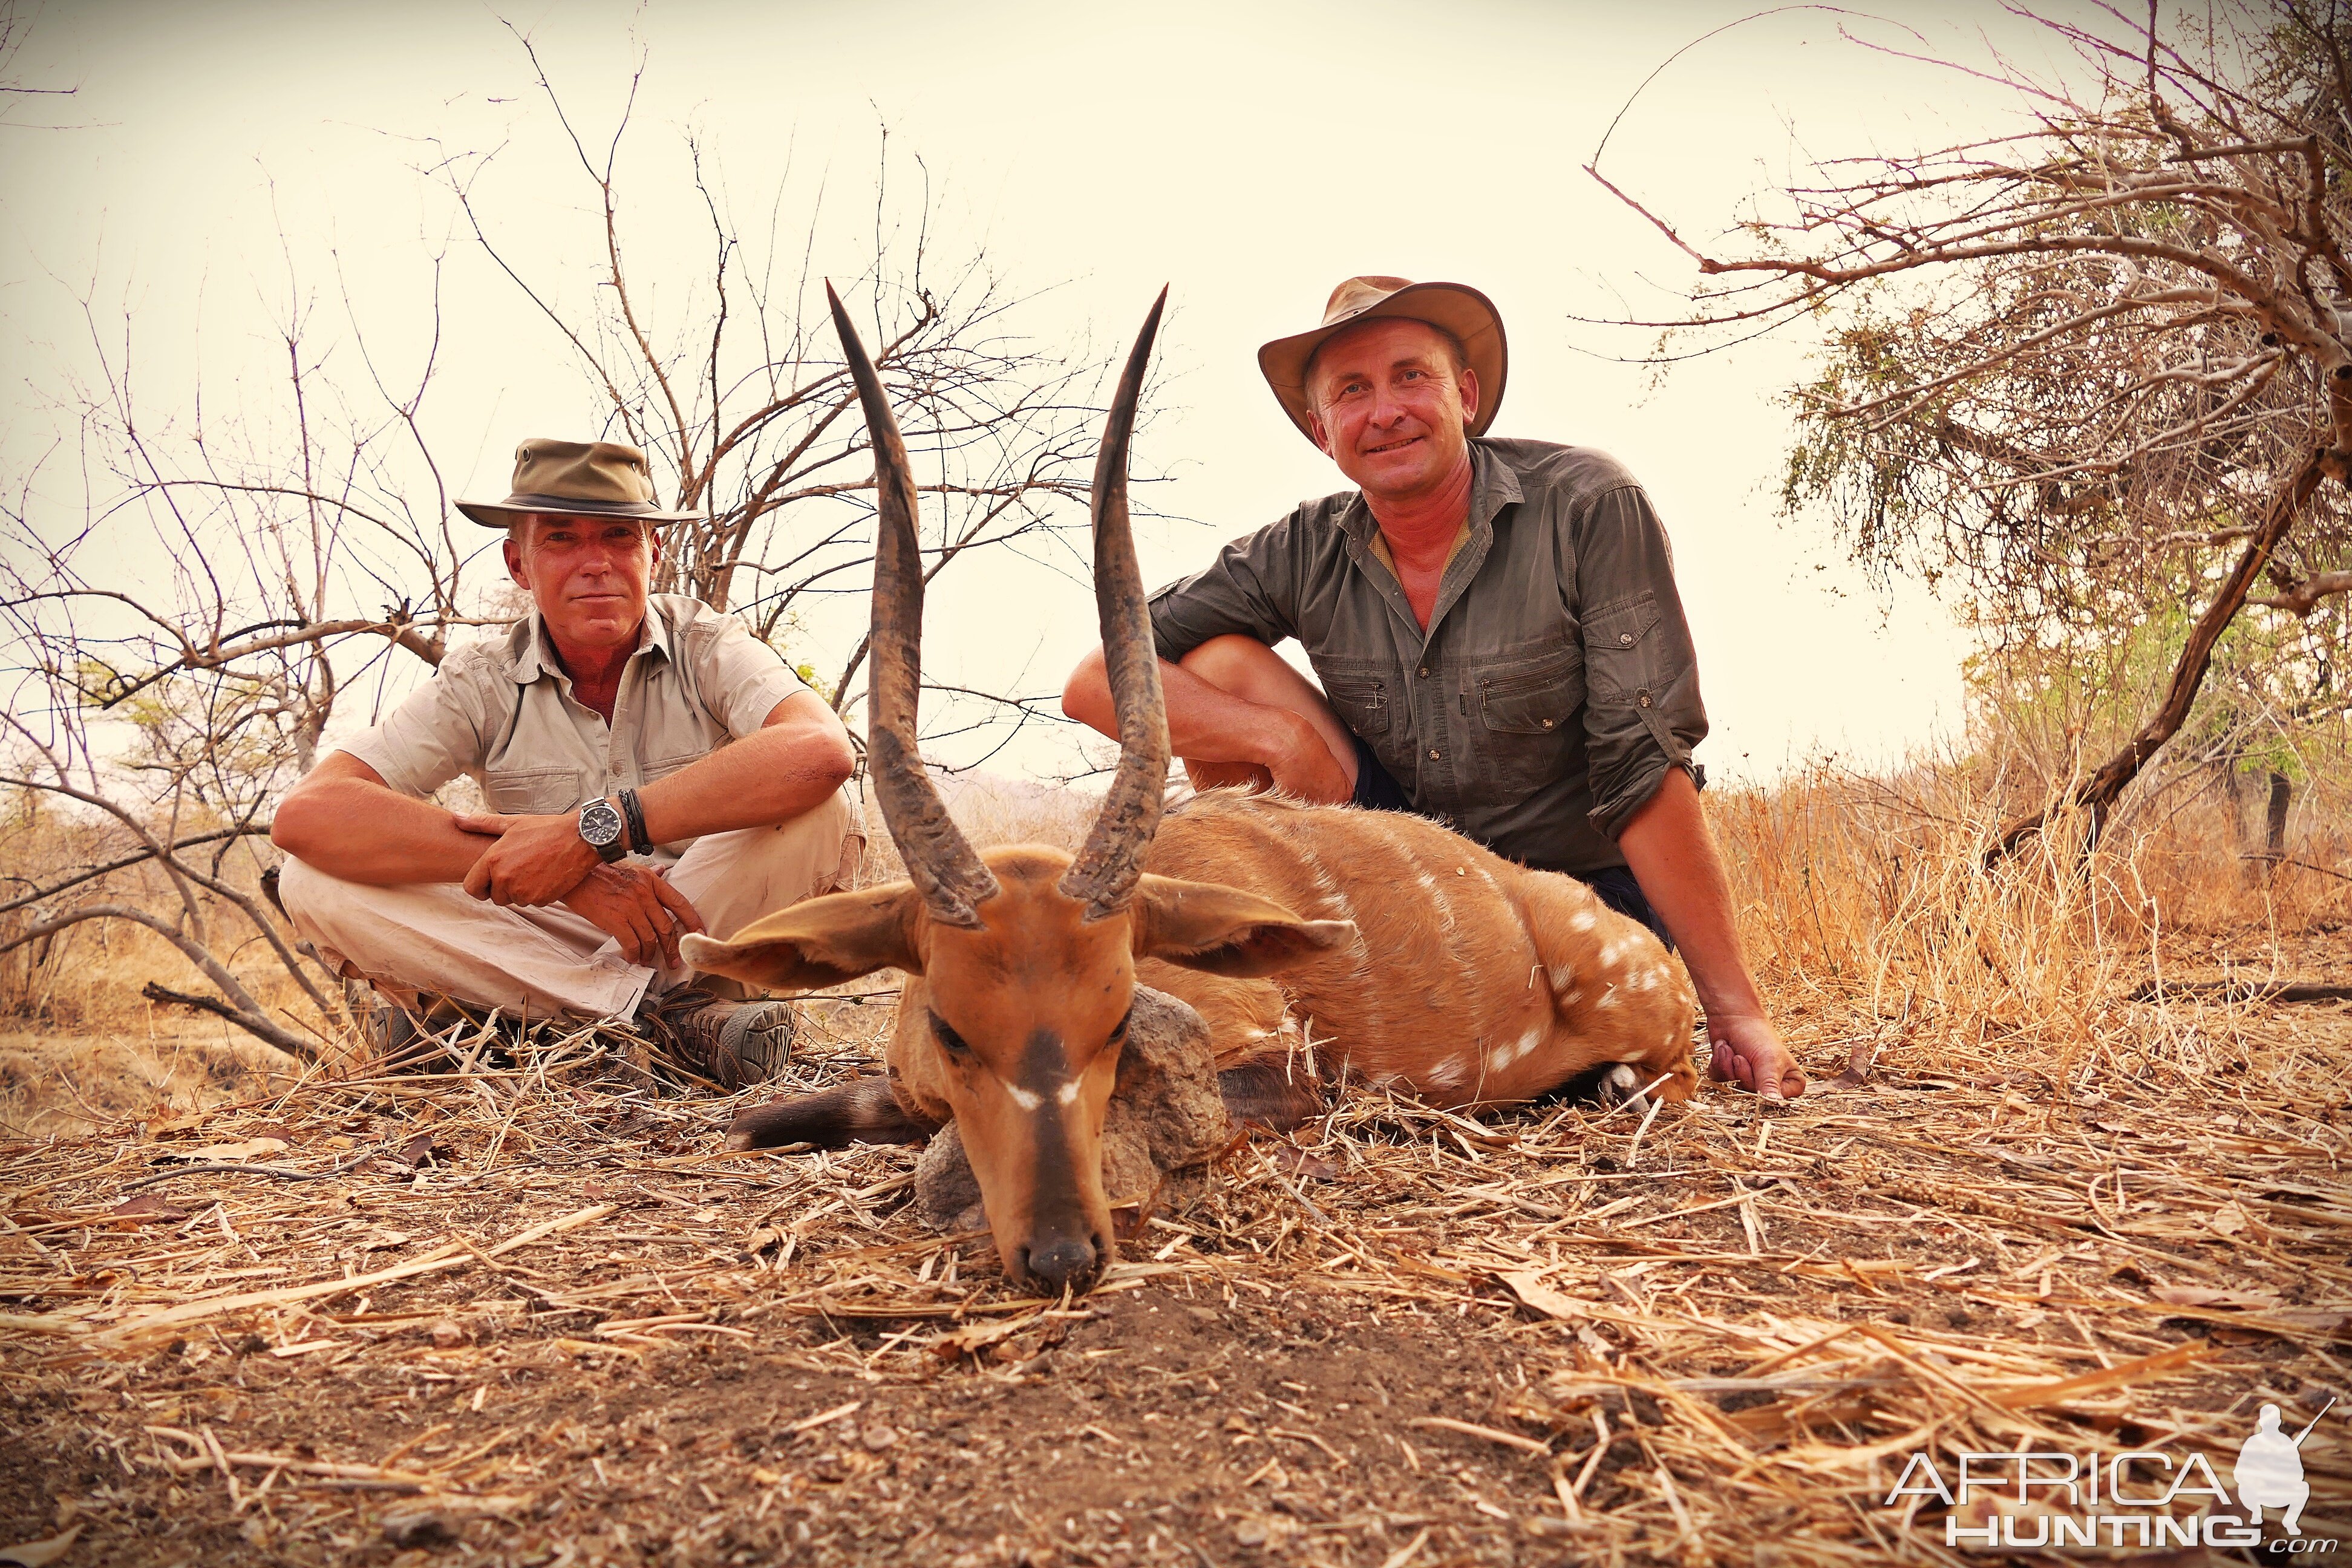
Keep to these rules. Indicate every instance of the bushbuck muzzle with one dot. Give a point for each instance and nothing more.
(1026, 955)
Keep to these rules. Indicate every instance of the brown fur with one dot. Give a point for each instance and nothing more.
(1472, 980)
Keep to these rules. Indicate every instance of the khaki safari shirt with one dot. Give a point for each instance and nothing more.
(1556, 684)
(503, 712)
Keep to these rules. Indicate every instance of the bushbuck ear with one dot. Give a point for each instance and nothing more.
(1223, 930)
(819, 943)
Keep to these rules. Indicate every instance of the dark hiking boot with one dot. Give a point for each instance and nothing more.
(446, 1036)
(730, 1043)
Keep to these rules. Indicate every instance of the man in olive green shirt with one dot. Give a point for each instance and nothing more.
(1495, 629)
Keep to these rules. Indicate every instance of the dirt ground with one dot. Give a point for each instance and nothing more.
(546, 1321)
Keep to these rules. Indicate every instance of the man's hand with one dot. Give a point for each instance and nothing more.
(536, 860)
(1305, 769)
(635, 905)
(1749, 1051)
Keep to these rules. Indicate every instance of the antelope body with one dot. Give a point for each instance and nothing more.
(1429, 964)
(1470, 980)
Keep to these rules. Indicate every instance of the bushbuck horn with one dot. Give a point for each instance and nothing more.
(950, 879)
(1104, 875)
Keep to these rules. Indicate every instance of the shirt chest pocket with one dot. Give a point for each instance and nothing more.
(531, 791)
(661, 767)
(1528, 708)
(1361, 702)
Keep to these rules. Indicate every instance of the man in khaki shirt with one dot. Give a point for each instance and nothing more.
(650, 769)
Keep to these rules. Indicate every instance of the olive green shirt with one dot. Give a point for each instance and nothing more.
(1556, 684)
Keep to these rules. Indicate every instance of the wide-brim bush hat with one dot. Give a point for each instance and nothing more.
(1455, 307)
(575, 479)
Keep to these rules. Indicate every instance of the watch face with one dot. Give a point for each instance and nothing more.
(599, 824)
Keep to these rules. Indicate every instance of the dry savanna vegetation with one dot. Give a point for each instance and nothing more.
(2069, 1180)
(2074, 992)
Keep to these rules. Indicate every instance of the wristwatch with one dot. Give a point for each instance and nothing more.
(601, 830)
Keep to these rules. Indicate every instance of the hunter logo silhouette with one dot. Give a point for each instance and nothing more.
(2269, 1472)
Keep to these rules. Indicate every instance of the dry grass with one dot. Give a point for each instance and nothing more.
(546, 1321)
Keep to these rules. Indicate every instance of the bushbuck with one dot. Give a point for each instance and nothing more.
(1429, 964)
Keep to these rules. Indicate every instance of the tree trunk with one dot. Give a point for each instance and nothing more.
(2098, 794)
(2275, 828)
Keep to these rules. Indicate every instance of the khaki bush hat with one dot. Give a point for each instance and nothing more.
(575, 479)
(1456, 308)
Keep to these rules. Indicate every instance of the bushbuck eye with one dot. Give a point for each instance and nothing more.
(1119, 1031)
(948, 1037)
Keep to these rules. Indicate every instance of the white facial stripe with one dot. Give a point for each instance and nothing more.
(1023, 1098)
(1068, 1092)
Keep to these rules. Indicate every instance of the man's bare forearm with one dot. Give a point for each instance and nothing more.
(1672, 854)
(1205, 722)
(364, 831)
(784, 771)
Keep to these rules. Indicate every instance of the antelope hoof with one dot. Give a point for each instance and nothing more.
(1621, 1085)
(1607, 1085)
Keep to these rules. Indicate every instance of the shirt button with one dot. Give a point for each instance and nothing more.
(1626, 638)
(1423, 672)
(1646, 699)
(1547, 723)
(1435, 755)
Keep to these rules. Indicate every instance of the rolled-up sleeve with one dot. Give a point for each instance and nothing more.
(439, 729)
(1250, 588)
(1643, 711)
(740, 679)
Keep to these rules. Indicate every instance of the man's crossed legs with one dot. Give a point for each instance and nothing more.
(425, 940)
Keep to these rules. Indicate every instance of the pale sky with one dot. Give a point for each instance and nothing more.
(1249, 155)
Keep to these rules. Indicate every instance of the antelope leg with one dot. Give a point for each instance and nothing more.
(862, 1110)
(1268, 1094)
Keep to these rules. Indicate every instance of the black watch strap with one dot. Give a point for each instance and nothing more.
(634, 815)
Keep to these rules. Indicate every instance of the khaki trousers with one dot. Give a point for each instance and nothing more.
(434, 937)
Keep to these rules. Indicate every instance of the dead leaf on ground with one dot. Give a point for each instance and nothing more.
(414, 1152)
(145, 1206)
(2199, 1296)
(164, 1125)
(1857, 1065)
(1306, 1164)
(230, 1153)
(1529, 1288)
(39, 1553)
(2229, 1219)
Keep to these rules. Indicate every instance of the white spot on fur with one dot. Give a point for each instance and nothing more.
(1583, 920)
(1503, 1055)
(1561, 976)
(1023, 1098)
(1068, 1093)
(1427, 880)
(1645, 980)
(1608, 998)
(1449, 1072)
